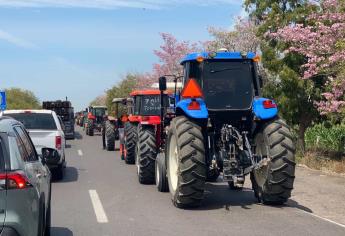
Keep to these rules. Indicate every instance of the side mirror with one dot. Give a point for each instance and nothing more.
(162, 83)
(48, 154)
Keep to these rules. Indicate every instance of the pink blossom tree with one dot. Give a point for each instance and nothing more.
(170, 54)
(321, 41)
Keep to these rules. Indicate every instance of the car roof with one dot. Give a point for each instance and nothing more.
(27, 110)
(6, 124)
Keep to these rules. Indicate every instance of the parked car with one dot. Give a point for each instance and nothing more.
(25, 188)
(46, 132)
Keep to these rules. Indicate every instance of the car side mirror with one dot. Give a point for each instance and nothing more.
(47, 154)
(162, 83)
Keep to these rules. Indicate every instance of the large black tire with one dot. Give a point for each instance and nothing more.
(109, 136)
(186, 165)
(273, 182)
(146, 154)
(161, 174)
(90, 128)
(130, 142)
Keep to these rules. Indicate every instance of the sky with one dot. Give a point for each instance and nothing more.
(80, 48)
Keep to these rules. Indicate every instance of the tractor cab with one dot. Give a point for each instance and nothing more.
(122, 109)
(147, 105)
(95, 119)
(228, 83)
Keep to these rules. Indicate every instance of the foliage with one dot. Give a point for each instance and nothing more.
(121, 90)
(323, 137)
(321, 41)
(295, 96)
(170, 54)
(21, 99)
(242, 38)
(99, 101)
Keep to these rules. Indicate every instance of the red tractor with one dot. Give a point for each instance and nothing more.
(143, 132)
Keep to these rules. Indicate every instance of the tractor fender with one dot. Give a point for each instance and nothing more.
(264, 113)
(182, 108)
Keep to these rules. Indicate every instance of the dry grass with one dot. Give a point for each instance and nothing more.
(325, 161)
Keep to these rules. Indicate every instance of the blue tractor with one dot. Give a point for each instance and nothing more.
(222, 126)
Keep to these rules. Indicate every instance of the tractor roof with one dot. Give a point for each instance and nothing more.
(148, 92)
(121, 100)
(99, 107)
(219, 55)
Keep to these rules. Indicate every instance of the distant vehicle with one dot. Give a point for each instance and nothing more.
(46, 132)
(66, 111)
(25, 189)
(95, 119)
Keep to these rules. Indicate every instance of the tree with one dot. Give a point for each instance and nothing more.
(121, 90)
(321, 41)
(99, 101)
(295, 96)
(21, 99)
(170, 54)
(242, 38)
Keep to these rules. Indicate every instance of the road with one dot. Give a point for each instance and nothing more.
(100, 195)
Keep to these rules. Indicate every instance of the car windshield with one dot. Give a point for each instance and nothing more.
(35, 120)
(228, 84)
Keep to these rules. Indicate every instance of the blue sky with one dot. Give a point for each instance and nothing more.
(79, 48)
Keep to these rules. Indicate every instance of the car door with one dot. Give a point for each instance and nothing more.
(33, 164)
(2, 184)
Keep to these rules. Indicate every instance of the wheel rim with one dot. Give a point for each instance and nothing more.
(157, 174)
(173, 163)
(261, 150)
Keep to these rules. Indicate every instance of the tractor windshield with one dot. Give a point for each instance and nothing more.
(99, 112)
(149, 105)
(228, 84)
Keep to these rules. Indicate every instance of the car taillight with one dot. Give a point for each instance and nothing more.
(15, 180)
(269, 104)
(58, 142)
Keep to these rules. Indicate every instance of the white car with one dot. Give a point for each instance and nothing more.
(46, 132)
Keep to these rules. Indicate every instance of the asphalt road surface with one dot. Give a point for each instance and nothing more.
(100, 195)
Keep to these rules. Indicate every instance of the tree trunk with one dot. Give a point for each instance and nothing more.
(301, 138)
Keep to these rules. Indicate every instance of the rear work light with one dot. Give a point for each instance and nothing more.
(15, 180)
(58, 141)
(269, 104)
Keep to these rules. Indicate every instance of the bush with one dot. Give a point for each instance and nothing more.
(326, 138)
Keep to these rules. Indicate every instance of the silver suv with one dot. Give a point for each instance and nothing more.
(25, 188)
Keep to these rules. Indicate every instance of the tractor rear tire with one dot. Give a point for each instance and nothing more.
(161, 174)
(273, 182)
(90, 128)
(130, 142)
(109, 136)
(186, 166)
(146, 154)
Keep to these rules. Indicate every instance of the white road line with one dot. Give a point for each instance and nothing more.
(80, 153)
(97, 207)
(323, 218)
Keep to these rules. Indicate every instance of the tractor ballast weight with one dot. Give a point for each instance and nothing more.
(223, 125)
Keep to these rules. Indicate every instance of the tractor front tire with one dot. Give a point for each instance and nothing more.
(273, 182)
(146, 154)
(186, 166)
(109, 136)
(90, 128)
(130, 142)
